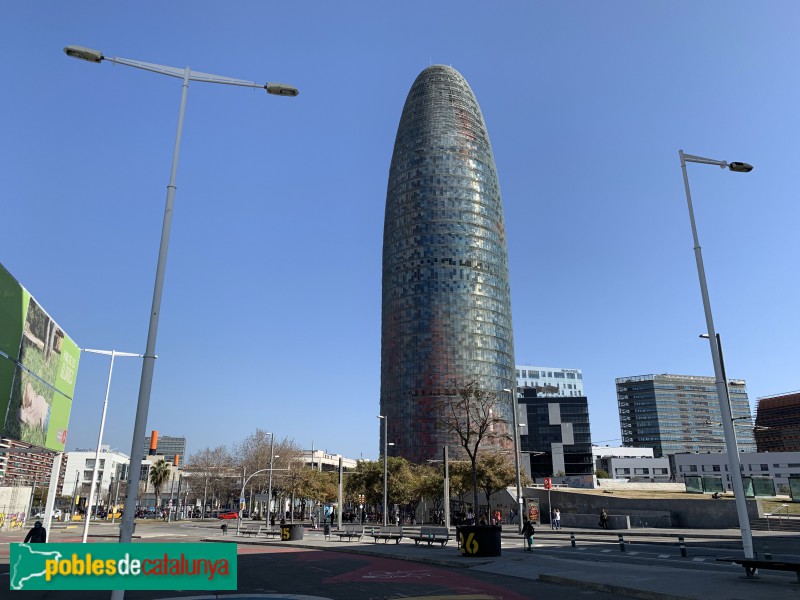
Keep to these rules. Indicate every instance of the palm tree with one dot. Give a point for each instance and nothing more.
(159, 474)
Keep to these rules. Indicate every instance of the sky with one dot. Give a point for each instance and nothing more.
(271, 309)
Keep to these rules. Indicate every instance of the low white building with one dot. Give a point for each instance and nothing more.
(777, 465)
(322, 461)
(80, 464)
(633, 464)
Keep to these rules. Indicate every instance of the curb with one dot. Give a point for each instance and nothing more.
(616, 590)
(442, 562)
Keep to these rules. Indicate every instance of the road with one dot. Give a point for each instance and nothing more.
(279, 572)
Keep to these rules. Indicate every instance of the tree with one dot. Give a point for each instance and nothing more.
(601, 474)
(495, 472)
(212, 470)
(159, 474)
(471, 416)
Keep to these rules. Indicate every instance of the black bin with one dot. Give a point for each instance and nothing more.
(479, 540)
(289, 533)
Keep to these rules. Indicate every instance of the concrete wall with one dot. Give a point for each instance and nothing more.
(696, 513)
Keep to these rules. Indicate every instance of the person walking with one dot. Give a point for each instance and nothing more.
(556, 519)
(527, 533)
(603, 519)
(36, 535)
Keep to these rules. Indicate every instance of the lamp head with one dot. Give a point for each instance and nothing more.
(740, 167)
(84, 53)
(281, 89)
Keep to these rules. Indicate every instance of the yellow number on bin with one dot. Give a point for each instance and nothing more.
(285, 534)
(470, 546)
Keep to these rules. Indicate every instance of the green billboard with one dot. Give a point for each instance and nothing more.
(38, 368)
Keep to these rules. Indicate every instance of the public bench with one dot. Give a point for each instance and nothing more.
(430, 535)
(752, 565)
(252, 530)
(273, 531)
(350, 531)
(390, 532)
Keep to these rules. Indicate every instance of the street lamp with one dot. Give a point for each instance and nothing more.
(511, 394)
(385, 471)
(721, 383)
(272, 458)
(146, 382)
(113, 354)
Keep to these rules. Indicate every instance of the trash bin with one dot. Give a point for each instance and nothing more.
(479, 540)
(290, 533)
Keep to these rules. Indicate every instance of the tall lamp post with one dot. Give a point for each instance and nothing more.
(385, 470)
(146, 381)
(269, 487)
(511, 394)
(113, 354)
(721, 384)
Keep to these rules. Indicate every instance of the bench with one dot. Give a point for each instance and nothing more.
(250, 530)
(752, 565)
(431, 535)
(273, 531)
(391, 532)
(350, 532)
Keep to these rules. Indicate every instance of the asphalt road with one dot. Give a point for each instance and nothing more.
(274, 572)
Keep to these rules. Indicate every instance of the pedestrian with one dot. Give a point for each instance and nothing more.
(556, 518)
(527, 533)
(283, 521)
(272, 519)
(603, 519)
(224, 528)
(313, 522)
(37, 534)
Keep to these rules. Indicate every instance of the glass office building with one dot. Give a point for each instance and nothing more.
(446, 310)
(680, 413)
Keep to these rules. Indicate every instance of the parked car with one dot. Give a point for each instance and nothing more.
(228, 514)
(56, 514)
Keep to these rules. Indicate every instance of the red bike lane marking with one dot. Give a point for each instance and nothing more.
(389, 570)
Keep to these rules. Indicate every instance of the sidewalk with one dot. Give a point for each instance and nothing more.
(632, 574)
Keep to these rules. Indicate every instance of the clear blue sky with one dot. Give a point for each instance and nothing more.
(271, 311)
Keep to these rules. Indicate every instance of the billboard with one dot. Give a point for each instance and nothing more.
(38, 368)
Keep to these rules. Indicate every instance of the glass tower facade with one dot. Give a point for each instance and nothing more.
(680, 413)
(446, 310)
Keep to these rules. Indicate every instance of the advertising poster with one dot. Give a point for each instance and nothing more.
(38, 369)
(534, 515)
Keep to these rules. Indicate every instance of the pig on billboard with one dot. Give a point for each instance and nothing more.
(38, 368)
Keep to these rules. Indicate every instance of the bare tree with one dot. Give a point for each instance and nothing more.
(470, 415)
(211, 469)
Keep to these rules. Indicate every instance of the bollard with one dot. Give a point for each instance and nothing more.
(621, 543)
(572, 539)
(682, 544)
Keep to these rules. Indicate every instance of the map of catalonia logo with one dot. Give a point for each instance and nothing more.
(123, 566)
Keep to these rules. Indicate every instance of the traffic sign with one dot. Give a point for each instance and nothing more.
(548, 483)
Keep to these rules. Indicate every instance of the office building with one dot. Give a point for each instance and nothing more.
(680, 413)
(166, 446)
(446, 307)
(30, 469)
(555, 440)
(550, 381)
(777, 426)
